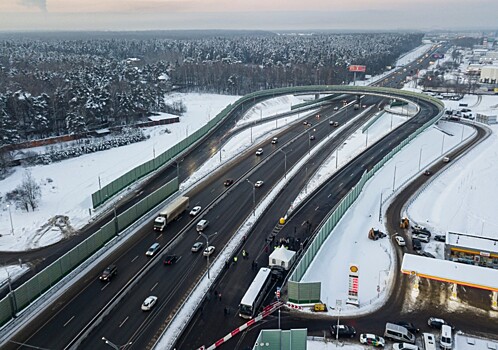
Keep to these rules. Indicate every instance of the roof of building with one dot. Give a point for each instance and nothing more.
(469, 342)
(449, 271)
(478, 243)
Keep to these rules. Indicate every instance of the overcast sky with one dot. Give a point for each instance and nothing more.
(18, 15)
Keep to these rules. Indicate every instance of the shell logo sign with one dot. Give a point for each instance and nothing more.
(353, 285)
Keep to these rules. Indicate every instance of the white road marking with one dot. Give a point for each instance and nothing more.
(329, 195)
(105, 286)
(65, 324)
(135, 258)
(122, 323)
(154, 286)
(159, 236)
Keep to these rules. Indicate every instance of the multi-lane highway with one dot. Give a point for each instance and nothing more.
(171, 283)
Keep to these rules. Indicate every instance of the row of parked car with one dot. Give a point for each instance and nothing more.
(403, 332)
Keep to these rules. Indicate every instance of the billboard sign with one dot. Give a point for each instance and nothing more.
(353, 285)
(357, 68)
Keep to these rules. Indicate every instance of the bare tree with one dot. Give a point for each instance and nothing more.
(29, 192)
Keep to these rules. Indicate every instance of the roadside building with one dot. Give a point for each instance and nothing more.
(489, 75)
(471, 249)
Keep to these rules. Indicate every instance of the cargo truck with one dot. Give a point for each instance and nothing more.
(170, 213)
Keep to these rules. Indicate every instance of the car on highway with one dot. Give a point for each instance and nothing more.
(153, 249)
(109, 271)
(312, 137)
(305, 122)
(417, 245)
(259, 152)
(228, 182)
(400, 240)
(342, 330)
(274, 140)
(197, 246)
(208, 251)
(195, 210)
(336, 108)
(372, 339)
(409, 326)
(333, 123)
(440, 238)
(437, 323)
(259, 183)
(170, 259)
(446, 159)
(149, 303)
(427, 173)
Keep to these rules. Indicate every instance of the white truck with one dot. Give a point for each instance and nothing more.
(170, 213)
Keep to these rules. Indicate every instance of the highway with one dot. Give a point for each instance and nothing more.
(126, 322)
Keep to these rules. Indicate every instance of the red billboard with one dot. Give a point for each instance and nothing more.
(357, 68)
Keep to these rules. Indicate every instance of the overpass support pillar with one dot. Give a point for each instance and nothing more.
(494, 300)
(454, 291)
(317, 96)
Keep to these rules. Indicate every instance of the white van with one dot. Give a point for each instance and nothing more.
(445, 341)
(201, 225)
(404, 346)
(429, 341)
(399, 333)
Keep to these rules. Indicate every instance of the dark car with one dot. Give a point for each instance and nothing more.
(421, 230)
(408, 325)
(170, 259)
(110, 271)
(228, 182)
(312, 137)
(426, 254)
(440, 238)
(417, 245)
(435, 322)
(343, 330)
(427, 173)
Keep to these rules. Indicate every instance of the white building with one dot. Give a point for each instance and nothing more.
(489, 75)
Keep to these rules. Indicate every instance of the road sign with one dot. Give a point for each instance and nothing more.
(278, 293)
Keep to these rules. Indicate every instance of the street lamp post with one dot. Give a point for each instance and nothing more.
(178, 167)
(207, 245)
(114, 346)
(285, 163)
(394, 176)
(253, 197)
(11, 223)
(420, 157)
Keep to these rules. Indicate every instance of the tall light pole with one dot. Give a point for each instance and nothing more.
(114, 346)
(336, 157)
(394, 176)
(420, 157)
(253, 197)
(178, 167)
(380, 203)
(285, 163)
(207, 245)
(11, 223)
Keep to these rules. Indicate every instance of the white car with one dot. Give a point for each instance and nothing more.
(400, 240)
(372, 339)
(259, 152)
(421, 237)
(153, 249)
(195, 210)
(259, 183)
(208, 251)
(149, 303)
(336, 108)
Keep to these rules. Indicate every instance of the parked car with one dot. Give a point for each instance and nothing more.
(426, 254)
(195, 210)
(228, 182)
(405, 346)
(197, 246)
(435, 322)
(342, 330)
(421, 229)
(170, 259)
(408, 325)
(372, 339)
(149, 303)
(208, 251)
(417, 245)
(424, 232)
(440, 238)
(109, 271)
(421, 237)
(153, 249)
(400, 240)
(259, 183)
(274, 140)
(259, 152)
